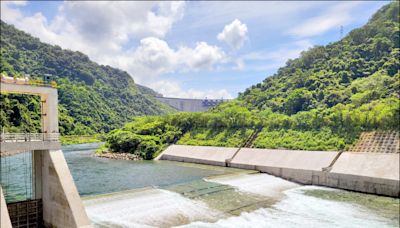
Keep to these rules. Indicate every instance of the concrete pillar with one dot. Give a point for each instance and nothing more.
(62, 205)
(37, 166)
(5, 221)
(50, 112)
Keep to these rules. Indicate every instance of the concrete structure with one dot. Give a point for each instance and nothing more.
(209, 155)
(14, 143)
(293, 159)
(52, 181)
(4, 217)
(62, 205)
(49, 99)
(376, 173)
(190, 105)
(293, 165)
(369, 164)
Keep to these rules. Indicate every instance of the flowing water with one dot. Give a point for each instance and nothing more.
(165, 194)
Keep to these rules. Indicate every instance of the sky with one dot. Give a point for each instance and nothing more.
(190, 49)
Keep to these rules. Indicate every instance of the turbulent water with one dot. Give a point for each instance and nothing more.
(171, 194)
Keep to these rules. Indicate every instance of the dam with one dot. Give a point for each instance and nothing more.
(189, 104)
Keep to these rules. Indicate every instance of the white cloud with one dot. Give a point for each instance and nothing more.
(234, 34)
(203, 56)
(334, 17)
(110, 25)
(121, 20)
(173, 89)
(154, 57)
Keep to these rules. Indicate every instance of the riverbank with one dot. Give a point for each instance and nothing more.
(119, 156)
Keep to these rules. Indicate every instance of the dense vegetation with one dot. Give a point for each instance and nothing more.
(79, 139)
(362, 67)
(322, 100)
(93, 98)
(231, 137)
(230, 124)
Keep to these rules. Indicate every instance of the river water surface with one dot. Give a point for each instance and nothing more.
(166, 194)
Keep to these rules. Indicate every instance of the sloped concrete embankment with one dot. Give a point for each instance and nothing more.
(209, 155)
(376, 173)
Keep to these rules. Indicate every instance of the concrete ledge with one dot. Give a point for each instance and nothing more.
(379, 186)
(11, 148)
(199, 154)
(292, 159)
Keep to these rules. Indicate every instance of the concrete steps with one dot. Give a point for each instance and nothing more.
(250, 141)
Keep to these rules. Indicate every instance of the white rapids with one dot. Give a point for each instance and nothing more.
(292, 208)
(146, 208)
(299, 210)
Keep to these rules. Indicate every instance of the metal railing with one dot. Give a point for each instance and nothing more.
(29, 137)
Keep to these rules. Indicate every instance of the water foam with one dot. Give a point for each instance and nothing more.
(262, 184)
(299, 210)
(147, 208)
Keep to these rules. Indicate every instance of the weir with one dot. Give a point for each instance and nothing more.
(376, 173)
(54, 200)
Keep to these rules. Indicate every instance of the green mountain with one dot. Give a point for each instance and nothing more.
(360, 68)
(93, 98)
(322, 100)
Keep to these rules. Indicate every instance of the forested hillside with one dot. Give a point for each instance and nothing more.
(362, 67)
(322, 100)
(93, 98)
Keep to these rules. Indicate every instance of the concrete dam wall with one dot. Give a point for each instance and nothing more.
(190, 105)
(376, 173)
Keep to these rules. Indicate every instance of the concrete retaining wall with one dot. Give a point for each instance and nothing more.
(293, 159)
(209, 155)
(375, 173)
(190, 105)
(294, 165)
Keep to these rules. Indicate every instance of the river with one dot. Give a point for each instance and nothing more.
(165, 194)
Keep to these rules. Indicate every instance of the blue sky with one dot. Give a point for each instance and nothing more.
(190, 49)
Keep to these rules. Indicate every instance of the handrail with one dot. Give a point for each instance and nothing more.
(29, 137)
(39, 83)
